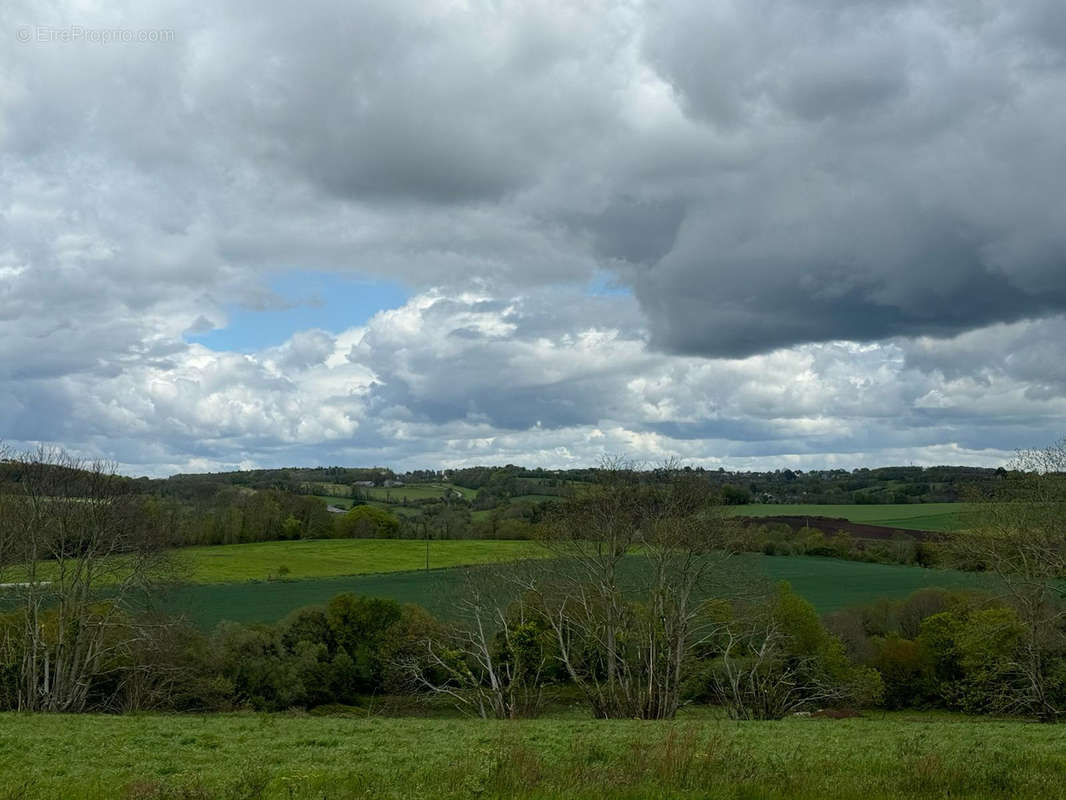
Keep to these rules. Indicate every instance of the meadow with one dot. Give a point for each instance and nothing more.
(323, 558)
(702, 755)
(416, 491)
(915, 516)
(395, 568)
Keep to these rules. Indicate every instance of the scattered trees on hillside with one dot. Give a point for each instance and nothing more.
(1018, 533)
(642, 605)
(959, 650)
(774, 657)
(367, 522)
(640, 602)
(495, 659)
(626, 594)
(81, 554)
(318, 655)
(622, 600)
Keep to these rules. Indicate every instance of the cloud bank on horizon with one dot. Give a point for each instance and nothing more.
(748, 234)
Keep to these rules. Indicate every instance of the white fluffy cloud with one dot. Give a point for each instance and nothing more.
(467, 378)
(835, 229)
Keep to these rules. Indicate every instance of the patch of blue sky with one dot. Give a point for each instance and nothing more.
(606, 284)
(322, 300)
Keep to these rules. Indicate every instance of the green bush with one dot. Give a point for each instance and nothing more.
(776, 657)
(904, 671)
(367, 522)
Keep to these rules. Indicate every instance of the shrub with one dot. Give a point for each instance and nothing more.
(903, 671)
(367, 522)
(777, 658)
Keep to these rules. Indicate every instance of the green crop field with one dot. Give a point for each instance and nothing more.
(319, 558)
(336, 489)
(206, 605)
(916, 516)
(291, 757)
(397, 510)
(830, 584)
(538, 498)
(416, 491)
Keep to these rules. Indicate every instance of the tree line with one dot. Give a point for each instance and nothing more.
(642, 605)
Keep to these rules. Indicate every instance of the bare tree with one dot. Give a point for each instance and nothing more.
(774, 658)
(636, 559)
(79, 552)
(491, 661)
(1019, 535)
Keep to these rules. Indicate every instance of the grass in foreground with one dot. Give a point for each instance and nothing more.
(323, 558)
(245, 756)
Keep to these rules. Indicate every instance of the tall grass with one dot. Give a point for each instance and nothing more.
(285, 757)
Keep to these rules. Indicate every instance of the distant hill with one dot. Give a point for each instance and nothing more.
(878, 486)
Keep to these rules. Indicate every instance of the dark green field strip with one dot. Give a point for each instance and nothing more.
(945, 523)
(207, 605)
(830, 584)
(915, 516)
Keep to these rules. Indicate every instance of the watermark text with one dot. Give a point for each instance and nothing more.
(71, 34)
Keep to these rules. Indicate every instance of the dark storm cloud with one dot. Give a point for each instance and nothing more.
(635, 230)
(750, 175)
(902, 179)
(404, 101)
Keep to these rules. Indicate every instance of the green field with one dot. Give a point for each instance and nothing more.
(320, 558)
(291, 757)
(335, 489)
(395, 509)
(830, 584)
(416, 491)
(538, 498)
(916, 516)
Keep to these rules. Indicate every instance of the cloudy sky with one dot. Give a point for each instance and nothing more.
(752, 234)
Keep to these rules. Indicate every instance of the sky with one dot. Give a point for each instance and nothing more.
(751, 234)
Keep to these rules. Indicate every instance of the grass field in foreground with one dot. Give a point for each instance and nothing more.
(89, 757)
(915, 516)
(829, 584)
(321, 558)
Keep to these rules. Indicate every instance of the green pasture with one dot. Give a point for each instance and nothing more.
(830, 584)
(321, 558)
(701, 755)
(397, 510)
(415, 491)
(915, 516)
(322, 489)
